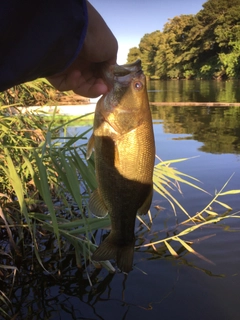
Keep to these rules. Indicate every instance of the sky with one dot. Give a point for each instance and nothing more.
(130, 20)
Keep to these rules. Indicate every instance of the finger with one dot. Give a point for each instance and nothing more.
(65, 82)
(92, 91)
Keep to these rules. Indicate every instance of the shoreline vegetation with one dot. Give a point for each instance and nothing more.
(201, 46)
(196, 104)
(41, 98)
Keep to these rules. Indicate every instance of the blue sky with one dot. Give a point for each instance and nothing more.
(129, 20)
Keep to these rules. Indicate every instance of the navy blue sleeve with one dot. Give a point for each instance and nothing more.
(39, 38)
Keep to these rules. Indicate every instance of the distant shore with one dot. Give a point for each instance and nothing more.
(196, 104)
(83, 109)
(64, 110)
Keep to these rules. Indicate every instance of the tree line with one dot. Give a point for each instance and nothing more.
(205, 45)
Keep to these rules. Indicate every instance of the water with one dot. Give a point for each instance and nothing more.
(194, 90)
(160, 286)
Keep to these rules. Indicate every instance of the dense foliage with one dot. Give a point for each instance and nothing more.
(205, 45)
(32, 93)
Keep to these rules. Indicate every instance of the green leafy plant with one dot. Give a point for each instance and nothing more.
(37, 92)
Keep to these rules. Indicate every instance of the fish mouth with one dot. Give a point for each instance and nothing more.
(123, 74)
(125, 69)
(133, 67)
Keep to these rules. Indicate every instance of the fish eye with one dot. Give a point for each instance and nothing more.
(138, 85)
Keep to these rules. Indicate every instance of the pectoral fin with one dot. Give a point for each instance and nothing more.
(147, 203)
(97, 206)
(90, 147)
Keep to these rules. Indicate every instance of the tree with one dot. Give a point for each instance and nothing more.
(203, 45)
(231, 61)
(148, 47)
(176, 31)
(219, 21)
(133, 54)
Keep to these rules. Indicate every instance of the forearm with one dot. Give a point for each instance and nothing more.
(39, 38)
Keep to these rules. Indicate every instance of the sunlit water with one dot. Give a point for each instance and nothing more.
(162, 287)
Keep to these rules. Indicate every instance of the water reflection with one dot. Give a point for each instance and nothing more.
(70, 296)
(194, 90)
(218, 128)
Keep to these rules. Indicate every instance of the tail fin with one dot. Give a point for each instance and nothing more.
(122, 254)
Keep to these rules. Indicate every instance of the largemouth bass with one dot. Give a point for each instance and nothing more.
(124, 147)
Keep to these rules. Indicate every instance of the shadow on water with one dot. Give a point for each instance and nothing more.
(71, 297)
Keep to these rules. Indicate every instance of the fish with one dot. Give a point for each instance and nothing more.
(124, 151)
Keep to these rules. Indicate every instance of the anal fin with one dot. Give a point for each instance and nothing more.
(97, 206)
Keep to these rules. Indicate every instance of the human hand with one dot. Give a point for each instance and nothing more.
(84, 75)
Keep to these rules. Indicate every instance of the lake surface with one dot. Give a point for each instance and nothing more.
(194, 90)
(160, 286)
